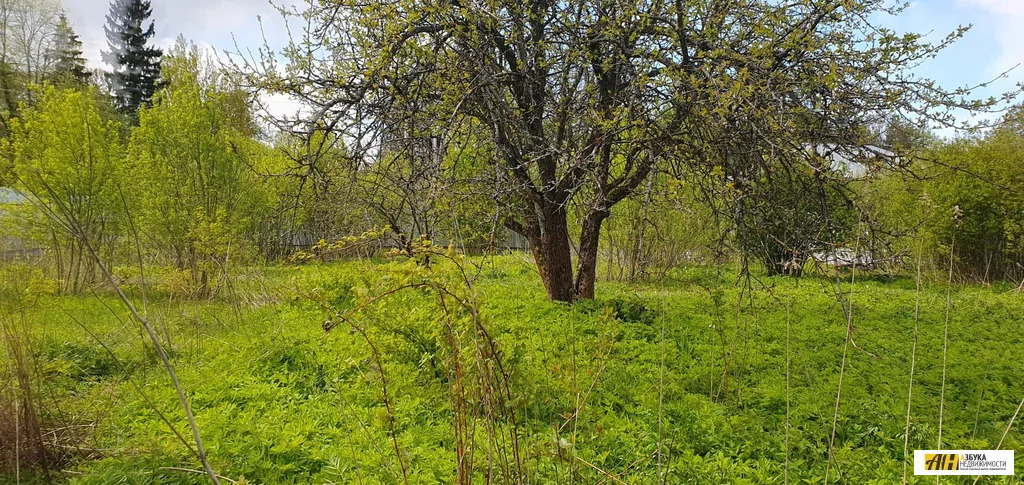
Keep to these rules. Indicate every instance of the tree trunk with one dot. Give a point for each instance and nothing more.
(204, 284)
(586, 270)
(775, 266)
(552, 253)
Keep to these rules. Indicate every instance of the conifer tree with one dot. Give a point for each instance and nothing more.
(66, 56)
(136, 65)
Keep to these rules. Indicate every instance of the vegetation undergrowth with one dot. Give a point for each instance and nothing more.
(279, 400)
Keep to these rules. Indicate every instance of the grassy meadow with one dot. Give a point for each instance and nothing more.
(682, 380)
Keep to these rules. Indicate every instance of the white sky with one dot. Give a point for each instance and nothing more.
(211, 24)
(996, 42)
(1005, 18)
(205, 22)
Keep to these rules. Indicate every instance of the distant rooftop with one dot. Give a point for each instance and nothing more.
(851, 158)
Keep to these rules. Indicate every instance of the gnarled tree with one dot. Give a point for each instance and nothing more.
(583, 99)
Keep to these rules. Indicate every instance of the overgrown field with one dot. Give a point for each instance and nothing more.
(679, 380)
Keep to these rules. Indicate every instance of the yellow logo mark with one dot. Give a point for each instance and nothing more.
(941, 461)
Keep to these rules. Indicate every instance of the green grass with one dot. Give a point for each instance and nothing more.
(280, 401)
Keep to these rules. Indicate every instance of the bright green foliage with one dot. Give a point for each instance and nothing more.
(978, 179)
(196, 196)
(278, 211)
(795, 214)
(424, 187)
(280, 401)
(313, 183)
(984, 178)
(656, 230)
(67, 159)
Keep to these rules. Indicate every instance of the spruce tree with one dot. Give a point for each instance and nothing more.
(136, 65)
(66, 56)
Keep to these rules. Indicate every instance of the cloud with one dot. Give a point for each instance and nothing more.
(1003, 7)
(213, 25)
(216, 23)
(1007, 17)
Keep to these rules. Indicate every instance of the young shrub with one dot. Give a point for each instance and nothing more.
(66, 159)
(197, 197)
(982, 177)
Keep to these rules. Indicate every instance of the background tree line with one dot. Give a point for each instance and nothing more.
(567, 130)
